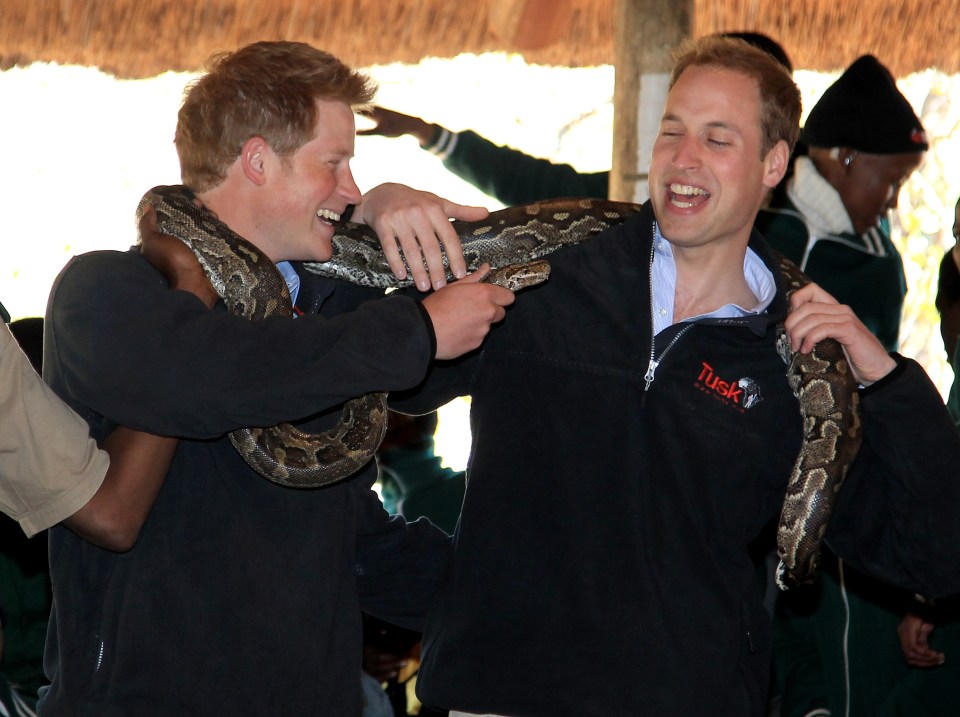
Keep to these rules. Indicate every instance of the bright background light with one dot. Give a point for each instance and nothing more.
(83, 147)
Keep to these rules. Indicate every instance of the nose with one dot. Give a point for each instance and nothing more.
(347, 187)
(893, 196)
(686, 152)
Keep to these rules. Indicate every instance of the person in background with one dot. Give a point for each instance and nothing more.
(241, 596)
(836, 646)
(930, 631)
(832, 218)
(509, 175)
(948, 306)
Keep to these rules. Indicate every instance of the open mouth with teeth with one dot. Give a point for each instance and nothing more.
(328, 216)
(685, 196)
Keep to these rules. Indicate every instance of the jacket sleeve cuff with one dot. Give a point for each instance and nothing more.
(889, 378)
(443, 143)
(428, 323)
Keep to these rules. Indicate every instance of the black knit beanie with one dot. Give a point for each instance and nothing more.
(864, 110)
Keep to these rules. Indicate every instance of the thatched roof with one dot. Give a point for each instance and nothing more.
(141, 38)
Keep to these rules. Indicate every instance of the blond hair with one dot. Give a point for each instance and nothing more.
(267, 89)
(780, 103)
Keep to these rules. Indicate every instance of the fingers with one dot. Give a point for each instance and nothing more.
(815, 316)
(811, 292)
(811, 323)
(420, 236)
(388, 123)
(464, 212)
(384, 123)
(914, 633)
(416, 225)
(450, 238)
(477, 276)
(426, 232)
(463, 312)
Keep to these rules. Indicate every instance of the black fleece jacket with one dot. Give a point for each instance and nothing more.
(600, 564)
(240, 597)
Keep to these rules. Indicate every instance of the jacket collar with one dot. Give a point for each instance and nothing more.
(758, 323)
(314, 289)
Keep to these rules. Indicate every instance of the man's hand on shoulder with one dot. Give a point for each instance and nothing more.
(462, 313)
(417, 224)
(815, 315)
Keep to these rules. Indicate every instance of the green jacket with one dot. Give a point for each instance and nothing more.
(512, 177)
(865, 272)
(836, 651)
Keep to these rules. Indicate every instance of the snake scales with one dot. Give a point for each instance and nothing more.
(250, 285)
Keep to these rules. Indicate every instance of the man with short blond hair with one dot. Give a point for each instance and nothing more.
(601, 562)
(243, 597)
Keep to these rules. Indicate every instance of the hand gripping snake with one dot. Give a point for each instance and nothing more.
(251, 286)
(515, 240)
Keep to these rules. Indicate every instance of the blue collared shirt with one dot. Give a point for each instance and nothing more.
(759, 279)
(293, 280)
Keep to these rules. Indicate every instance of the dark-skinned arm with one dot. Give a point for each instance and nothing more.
(112, 518)
(139, 461)
(172, 258)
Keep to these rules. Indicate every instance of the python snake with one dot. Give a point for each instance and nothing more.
(248, 282)
(251, 286)
(830, 409)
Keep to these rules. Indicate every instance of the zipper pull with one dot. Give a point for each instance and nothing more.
(648, 376)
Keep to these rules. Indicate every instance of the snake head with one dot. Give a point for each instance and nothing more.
(519, 276)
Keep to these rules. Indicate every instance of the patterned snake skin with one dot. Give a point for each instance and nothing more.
(830, 408)
(250, 285)
(821, 380)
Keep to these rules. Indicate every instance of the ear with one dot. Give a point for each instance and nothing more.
(253, 159)
(775, 164)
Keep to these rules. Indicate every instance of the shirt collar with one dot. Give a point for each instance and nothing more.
(292, 280)
(759, 278)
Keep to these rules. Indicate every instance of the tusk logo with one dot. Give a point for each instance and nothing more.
(744, 393)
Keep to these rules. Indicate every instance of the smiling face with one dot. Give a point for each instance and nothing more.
(708, 174)
(307, 192)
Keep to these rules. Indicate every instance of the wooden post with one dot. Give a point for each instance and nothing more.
(647, 33)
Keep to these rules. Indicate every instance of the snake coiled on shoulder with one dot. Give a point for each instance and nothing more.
(509, 239)
(251, 286)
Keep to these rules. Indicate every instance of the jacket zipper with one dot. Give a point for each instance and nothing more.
(654, 359)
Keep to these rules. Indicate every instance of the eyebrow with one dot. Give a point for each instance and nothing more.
(725, 126)
(716, 124)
